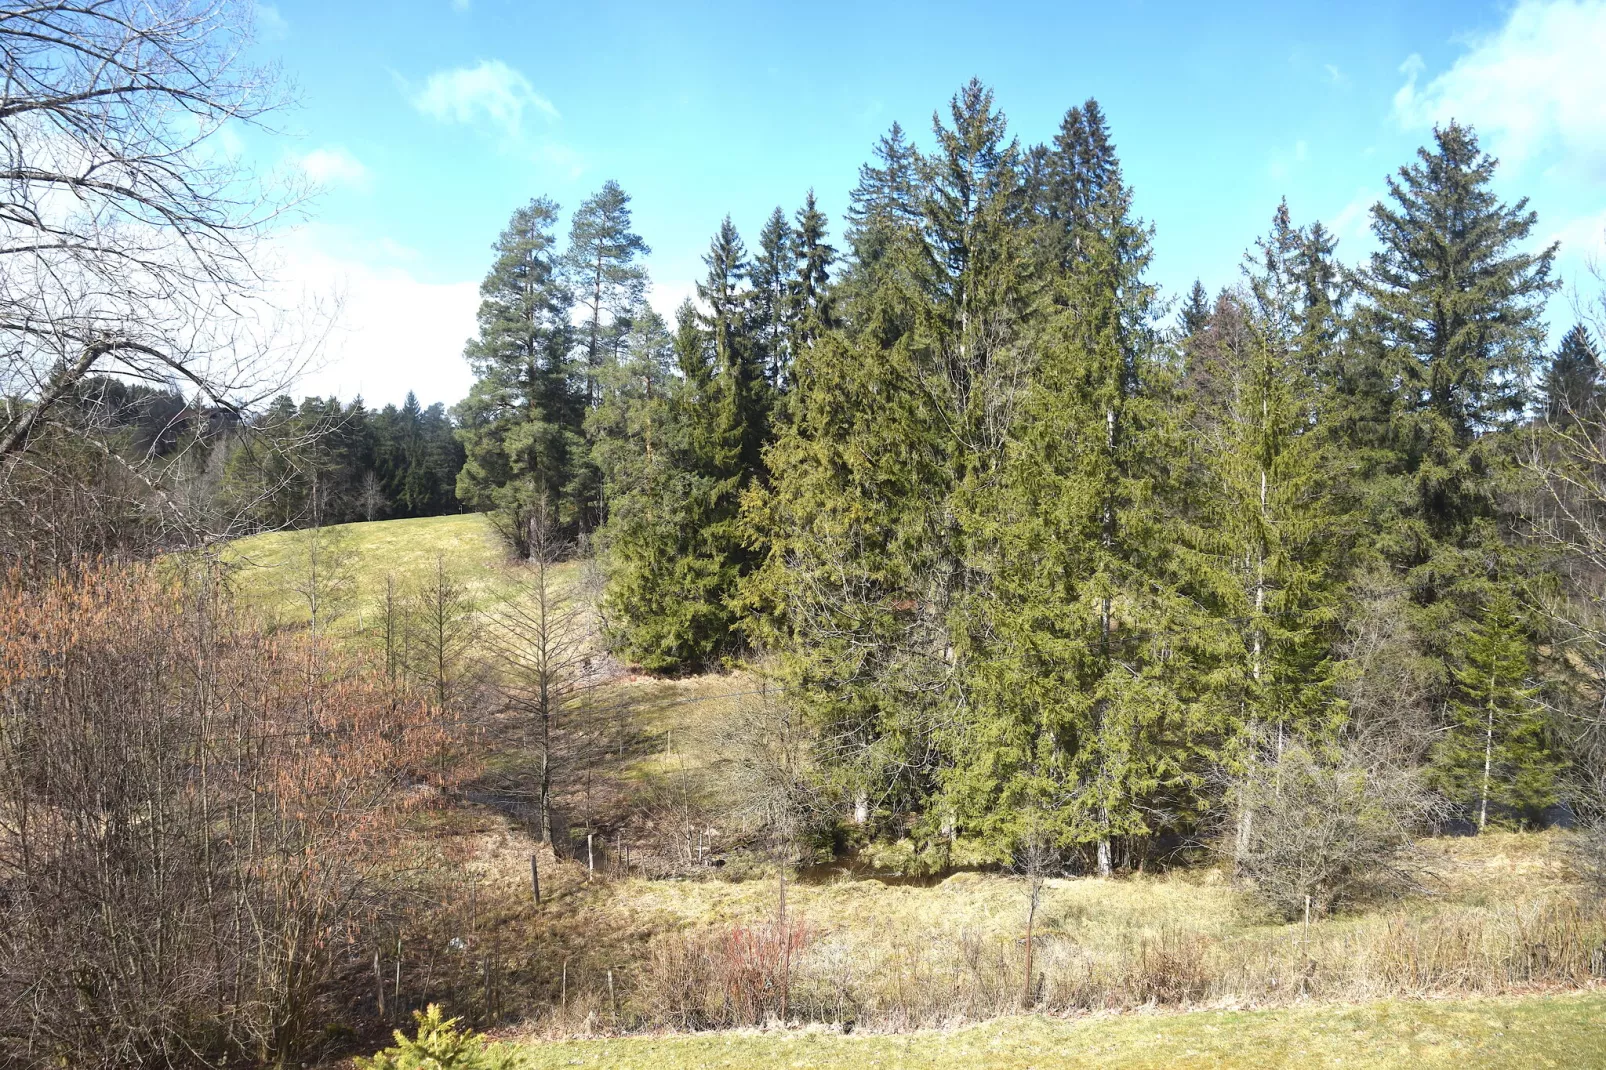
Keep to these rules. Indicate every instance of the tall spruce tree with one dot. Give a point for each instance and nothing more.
(521, 423)
(663, 604)
(1194, 316)
(1272, 518)
(1078, 713)
(772, 296)
(810, 312)
(1453, 317)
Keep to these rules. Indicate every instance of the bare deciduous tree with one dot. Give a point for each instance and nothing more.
(543, 642)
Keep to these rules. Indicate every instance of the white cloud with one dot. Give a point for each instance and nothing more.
(335, 166)
(395, 331)
(274, 25)
(489, 92)
(461, 5)
(1585, 235)
(1535, 88)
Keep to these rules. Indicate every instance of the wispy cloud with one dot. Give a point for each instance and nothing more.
(1535, 88)
(335, 166)
(461, 5)
(272, 22)
(490, 92)
(1353, 223)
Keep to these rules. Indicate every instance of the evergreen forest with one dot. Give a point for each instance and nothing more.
(1040, 553)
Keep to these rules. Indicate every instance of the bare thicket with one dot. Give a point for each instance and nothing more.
(1567, 512)
(1332, 826)
(765, 767)
(1389, 689)
(196, 833)
(543, 643)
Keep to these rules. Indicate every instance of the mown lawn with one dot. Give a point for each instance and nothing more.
(1566, 1031)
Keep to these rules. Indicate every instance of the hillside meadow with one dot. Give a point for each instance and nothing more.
(673, 917)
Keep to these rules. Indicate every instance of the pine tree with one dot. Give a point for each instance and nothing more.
(1497, 751)
(601, 261)
(521, 423)
(1571, 386)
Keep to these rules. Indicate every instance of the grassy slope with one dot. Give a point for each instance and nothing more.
(1537, 1031)
(407, 549)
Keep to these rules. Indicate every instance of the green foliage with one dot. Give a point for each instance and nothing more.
(1447, 342)
(521, 422)
(439, 1045)
(1571, 386)
(331, 463)
(1497, 754)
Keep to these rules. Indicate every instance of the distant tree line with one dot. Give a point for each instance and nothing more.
(1038, 559)
(324, 462)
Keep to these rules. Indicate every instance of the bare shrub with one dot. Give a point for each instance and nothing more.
(766, 772)
(1318, 830)
(732, 976)
(197, 824)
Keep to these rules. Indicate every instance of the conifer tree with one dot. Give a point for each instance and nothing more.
(811, 312)
(1273, 515)
(1571, 386)
(1496, 750)
(1195, 314)
(607, 282)
(521, 423)
(885, 202)
(772, 295)
(1452, 315)
(663, 605)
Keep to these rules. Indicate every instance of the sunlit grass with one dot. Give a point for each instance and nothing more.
(1536, 1031)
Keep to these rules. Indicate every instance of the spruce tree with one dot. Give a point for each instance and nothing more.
(772, 295)
(1497, 751)
(1571, 386)
(1195, 314)
(1271, 514)
(1448, 340)
(810, 298)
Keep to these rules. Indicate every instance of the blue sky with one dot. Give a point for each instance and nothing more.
(427, 123)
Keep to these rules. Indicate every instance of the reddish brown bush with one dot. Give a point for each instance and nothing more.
(195, 822)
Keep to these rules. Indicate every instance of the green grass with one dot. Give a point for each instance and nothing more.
(1536, 1031)
(266, 567)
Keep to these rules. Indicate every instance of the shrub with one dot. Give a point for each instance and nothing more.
(440, 1045)
(1321, 830)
